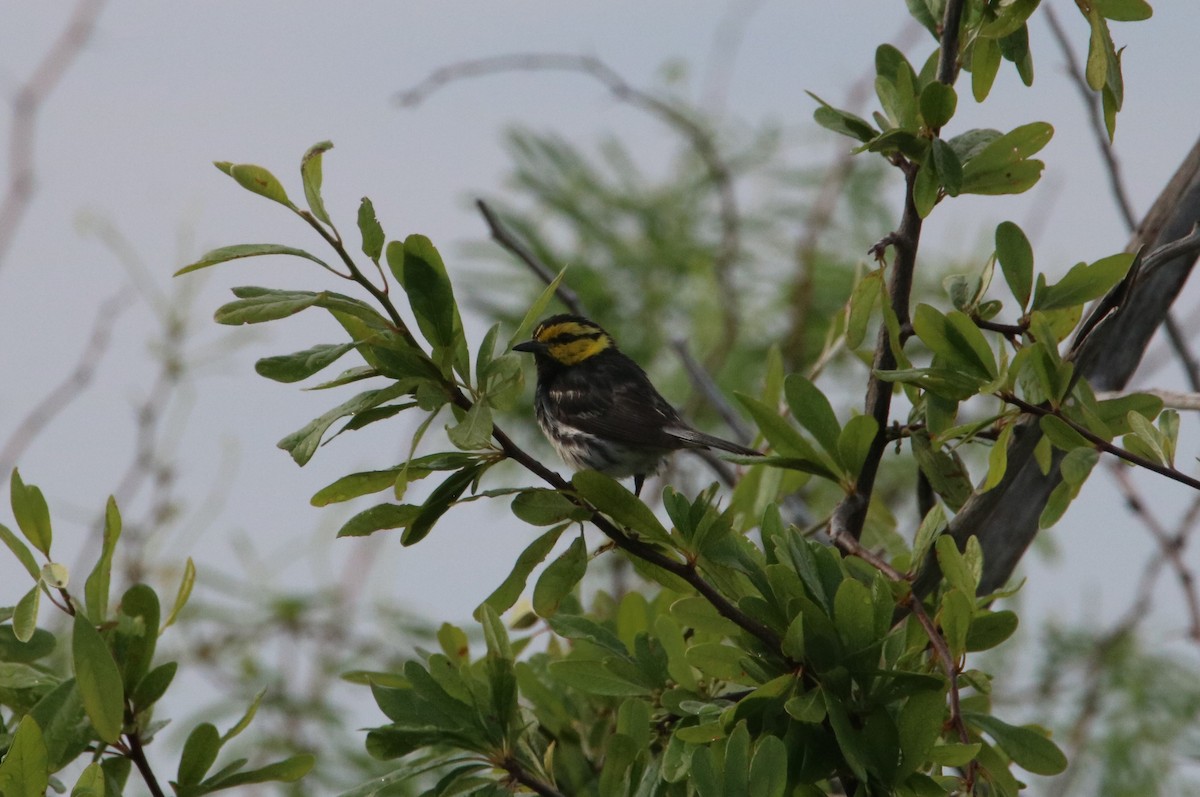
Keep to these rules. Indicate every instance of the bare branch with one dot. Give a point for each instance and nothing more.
(71, 387)
(27, 104)
(502, 236)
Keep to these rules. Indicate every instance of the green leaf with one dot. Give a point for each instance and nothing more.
(247, 717)
(863, 299)
(717, 660)
(933, 524)
(372, 232)
(1002, 166)
(808, 707)
(559, 578)
(540, 507)
(257, 180)
(153, 686)
(182, 594)
(25, 614)
(998, 459)
(919, 726)
(955, 619)
(25, 770)
(31, 513)
(1099, 49)
(226, 253)
(985, 63)
(90, 783)
(265, 307)
(842, 122)
(954, 567)
(289, 770)
(475, 429)
(99, 680)
(949, 168)
(21, 551)
(536, 309)
(310, 173)
(15, 650)
(1016, 260)
(786, 440)
(505, 595)
(1077, 465)
(989, 629)
(854, 615)
(137, 638)
(1028, 748)
(854, 443)
(938, 102)
(377, 518)
(812, 409)
(302, 364)
(199, 753)
(303, 443)
(439, 502)
(925, 188)
(956, 338)
(429, 291)
(594, 678)
(609, 497)
(1123, 10)
(1084, 282)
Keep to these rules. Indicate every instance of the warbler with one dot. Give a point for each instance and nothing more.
(598, 408)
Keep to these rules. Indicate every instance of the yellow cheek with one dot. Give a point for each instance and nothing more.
(577, 350)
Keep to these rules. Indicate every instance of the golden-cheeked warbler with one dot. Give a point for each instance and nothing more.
(598, 408)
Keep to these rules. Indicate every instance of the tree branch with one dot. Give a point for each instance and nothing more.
(27, 105)
(502, 236)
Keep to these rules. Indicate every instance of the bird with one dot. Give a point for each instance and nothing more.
(598, 408)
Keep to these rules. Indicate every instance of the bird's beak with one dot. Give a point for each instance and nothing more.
(532, 346)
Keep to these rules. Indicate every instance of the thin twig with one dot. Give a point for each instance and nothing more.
(1170, 548)
(1101, 443)
(27, 104)
(502, 236)
(71, 387)
(703, 382)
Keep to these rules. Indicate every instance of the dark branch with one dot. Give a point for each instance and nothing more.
(502, 236)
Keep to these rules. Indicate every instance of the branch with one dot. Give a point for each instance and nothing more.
(138, 756)
(851, 513)
(71, 387)
(510, 242)
(1101, 443)
(27, 104)
(517, 772)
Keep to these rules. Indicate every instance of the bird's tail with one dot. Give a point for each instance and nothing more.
(697, 439)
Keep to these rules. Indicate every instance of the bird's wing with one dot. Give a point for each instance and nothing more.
(627, 410)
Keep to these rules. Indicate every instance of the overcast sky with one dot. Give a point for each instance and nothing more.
(163, 89)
